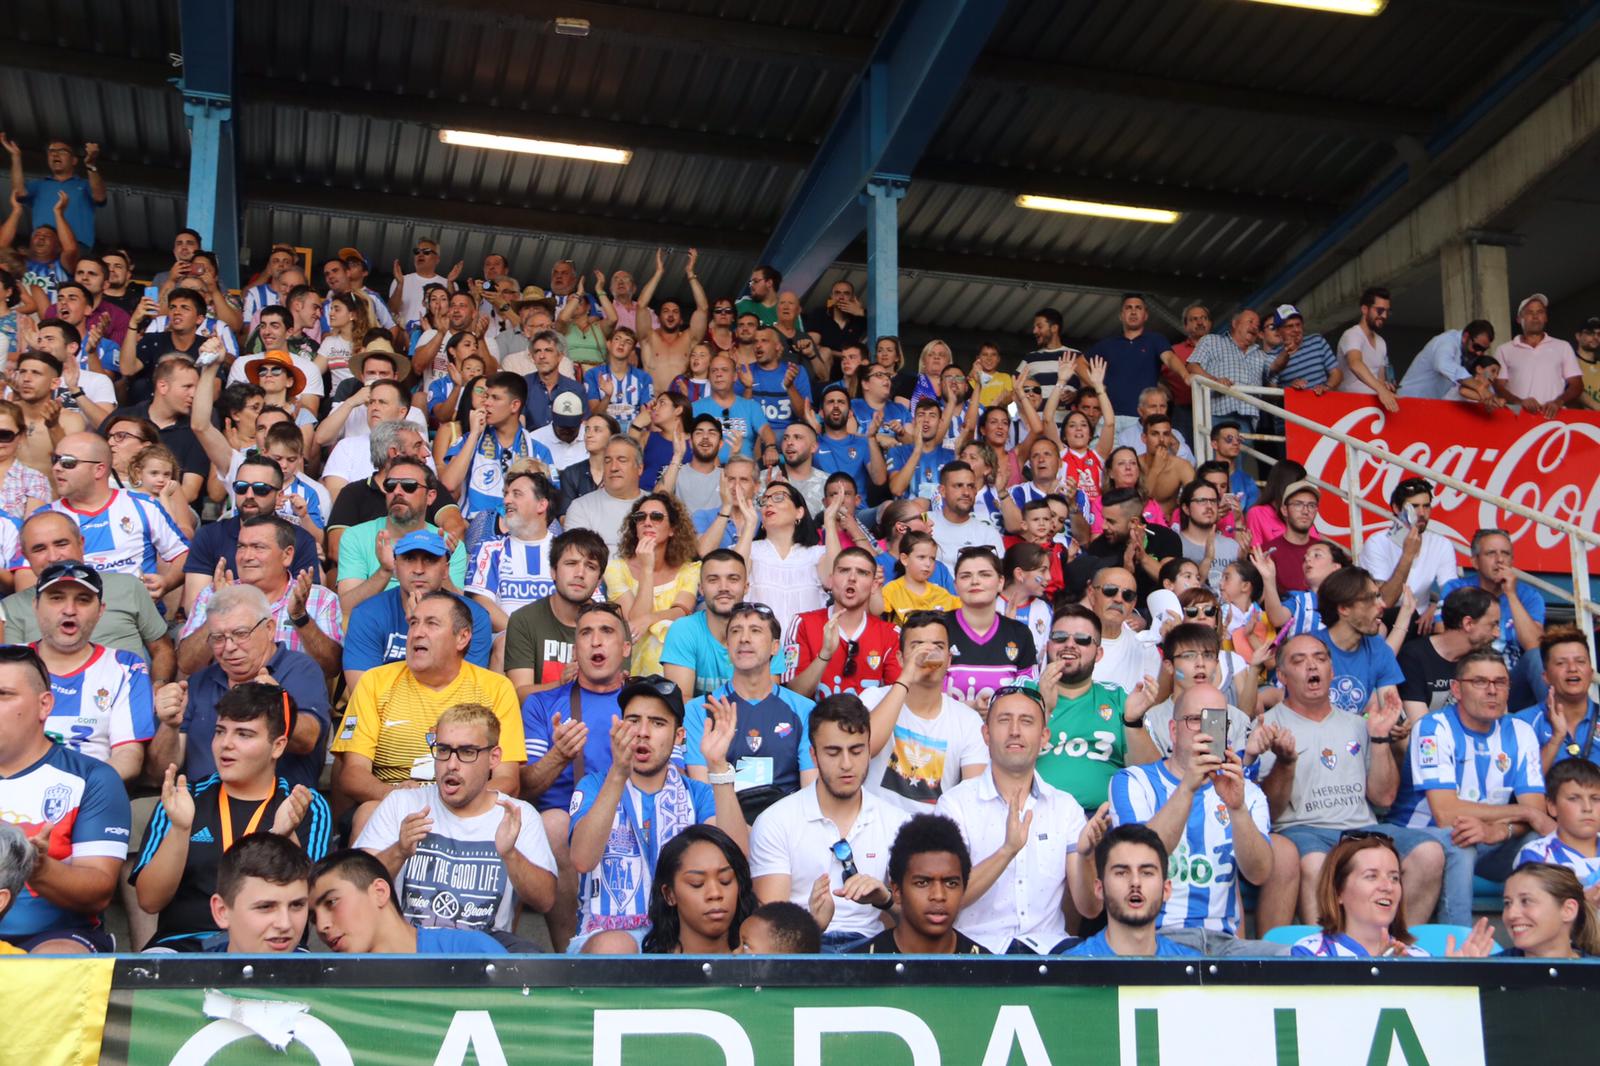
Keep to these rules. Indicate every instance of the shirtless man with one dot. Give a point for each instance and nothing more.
(665, 349)
(1165, 474)
(33, 385)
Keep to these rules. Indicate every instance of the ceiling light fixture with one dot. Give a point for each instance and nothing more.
(592, 153)
(1094, 209)
(1337, 7)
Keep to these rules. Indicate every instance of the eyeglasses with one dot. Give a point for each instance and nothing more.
(1206, 611)
(1194, 656)
(403, 484)
(253, 488)
(1212, 500)
(847, 858)
(1486, 684)
(1112, 592)
(465, 752)
(773, 498)
(1082, 640)
(69, 462)
(115, 437)
(238, 636)
(651, 516)
(1301, 505)
(9, 435)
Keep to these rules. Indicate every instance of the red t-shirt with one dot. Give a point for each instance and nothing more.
(1057, 561)
(1290, 561)
(877, 658)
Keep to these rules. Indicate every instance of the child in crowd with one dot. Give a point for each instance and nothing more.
(913, 590)
(154, 472)
(1243, 619)
(1177, 576)
(1479, 388)
(1572, 798)
(780, 928)
(1297, 612)
(1026, 572)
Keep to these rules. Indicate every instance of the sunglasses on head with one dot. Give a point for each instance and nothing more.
(758, 608)
(253, 488)
(1112, 592)
(656, 683)
(1366, 834)
(1020, 689)
(405, 484)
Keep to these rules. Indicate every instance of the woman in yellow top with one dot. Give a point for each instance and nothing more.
(914, 590)
(658, 552)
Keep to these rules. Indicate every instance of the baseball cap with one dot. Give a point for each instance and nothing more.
(421, 540)
(835, 386)
(355, 253)
(566, 409)
(72, 572)
(1284, 313)
(1591, 325)
(652, 685)
(1526, 300)
(1298, 487)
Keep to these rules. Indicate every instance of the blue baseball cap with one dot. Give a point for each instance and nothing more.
(835, 386)
(421, 540)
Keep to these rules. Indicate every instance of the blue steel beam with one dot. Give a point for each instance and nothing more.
(889, 116)
(214, 209)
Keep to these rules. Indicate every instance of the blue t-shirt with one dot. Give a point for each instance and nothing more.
(457, 942)
(689, 643)
(1579, 737)
(893, 411)
(925, 482)
(297, 673)
(629, 392)
(773, 397)
(41, 195)
(848, 455)
(538, 712)
(1098, 947)
(378, 629)
(769, 745)
(1358, 674)
(743, 416)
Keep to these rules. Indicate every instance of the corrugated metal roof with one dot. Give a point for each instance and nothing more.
(478, 57)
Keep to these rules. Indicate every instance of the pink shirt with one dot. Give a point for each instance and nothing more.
(1541, 371)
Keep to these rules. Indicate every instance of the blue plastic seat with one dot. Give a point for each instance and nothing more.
(1289, 934)
(1488, 897)
(1435, 939)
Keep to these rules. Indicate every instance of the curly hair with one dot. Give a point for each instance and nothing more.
(682, 547)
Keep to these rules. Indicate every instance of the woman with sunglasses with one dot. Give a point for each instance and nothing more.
(22, 488)
(1359, 896)
(282, 381)
(701, 896)
(657, 552)
(788, 563)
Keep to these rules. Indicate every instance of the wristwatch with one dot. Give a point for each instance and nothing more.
(298, 620)
(1380, 740)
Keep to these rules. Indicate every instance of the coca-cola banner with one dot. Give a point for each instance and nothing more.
(1551, 466)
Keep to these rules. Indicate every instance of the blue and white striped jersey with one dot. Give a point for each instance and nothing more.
(1340, 946)
(1302, 605)
(104, 704)
(1493, 768)
(1551, 849)
(512, 572)
(1202, 869)
(131, 534)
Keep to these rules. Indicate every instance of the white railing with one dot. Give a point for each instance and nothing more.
(1203, 390)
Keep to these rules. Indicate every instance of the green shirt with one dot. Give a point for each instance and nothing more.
(1088, 744)
(358, 554)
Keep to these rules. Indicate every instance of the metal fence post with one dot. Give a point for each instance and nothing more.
(1352, 493)
(1583, 615)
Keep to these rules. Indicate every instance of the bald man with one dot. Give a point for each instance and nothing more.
(125, 532)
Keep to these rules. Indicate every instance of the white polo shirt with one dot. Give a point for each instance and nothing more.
(1026, 899)
(1435, 563)
(794, 837)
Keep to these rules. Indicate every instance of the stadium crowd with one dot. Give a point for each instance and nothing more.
(399, 606)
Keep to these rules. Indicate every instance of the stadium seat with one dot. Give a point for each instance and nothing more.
(1488, 897)
(1289, 934)
(1435, 939)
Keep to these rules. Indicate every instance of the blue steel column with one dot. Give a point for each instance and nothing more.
(207, 33)
(883, 196)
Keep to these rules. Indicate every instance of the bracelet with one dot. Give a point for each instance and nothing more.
(726, 777)
(902, 684)
(721, 515)
(1380, 740)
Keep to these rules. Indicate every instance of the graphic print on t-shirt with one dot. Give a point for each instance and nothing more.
(916, 766)
(453, 883)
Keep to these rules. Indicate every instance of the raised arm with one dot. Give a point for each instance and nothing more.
(212, 439)
(1096, 370)
(700, 318)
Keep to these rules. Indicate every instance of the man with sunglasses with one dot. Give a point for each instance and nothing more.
(1364, 354)
(256, 486)
(462, 854)
(198, 821)
(826, 847)
(1127, 657)
(123, 531)
(366, 551)
(406, 298)
(1442, 364)
(1476, 782)
(843, 648)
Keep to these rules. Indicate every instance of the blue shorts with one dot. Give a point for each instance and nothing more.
(1314, 840)
(95, 940)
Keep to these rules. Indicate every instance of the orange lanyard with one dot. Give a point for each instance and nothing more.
(227, 819)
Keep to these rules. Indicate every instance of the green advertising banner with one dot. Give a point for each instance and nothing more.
(840, 1026)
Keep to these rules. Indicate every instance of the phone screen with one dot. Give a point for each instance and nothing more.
(152, 293)
(1214, 723)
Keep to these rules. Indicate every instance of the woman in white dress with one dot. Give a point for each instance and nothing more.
(789, 568)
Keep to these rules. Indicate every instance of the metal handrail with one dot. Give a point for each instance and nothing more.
(1202, 390)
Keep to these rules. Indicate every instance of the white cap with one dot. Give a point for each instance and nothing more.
(1526, 300)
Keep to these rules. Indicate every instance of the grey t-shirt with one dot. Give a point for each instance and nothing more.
(131, 622)
(601, 512)
(699, 491)
(1330, 777)
(1226, 551)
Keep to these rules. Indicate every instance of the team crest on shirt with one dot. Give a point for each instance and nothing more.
(1221, 814)
(851, 452)
(873, 659)
(102, 700)
(427, 738)
(1428, 751)
(753, 740)
(1105, 712)
(1011, 650)
(126, 524)
(56, 798)
(1330, 758)
(1502, 762)
(783, 729)
(1353, 747)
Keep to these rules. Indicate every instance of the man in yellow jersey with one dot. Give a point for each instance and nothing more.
(386, 739)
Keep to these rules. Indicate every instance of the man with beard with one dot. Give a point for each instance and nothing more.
(495, 438)
(1408, 553)
(929, 867)
(954, 528)
(366, 550)
(1162, 471)
(539, 636)
(1364, 354)
(698, 483)
(45, 422)
(1324, 778)
(1034, 837)
(378, 624)
(695, 654)
(779, 386)
(103, 703)
(826, 847)
(562, 748)
(871, 646)
(1203, 544)
(512, 571)
(841, 452)
(462, 855)
(1130, 866)
(1093, 729)
(915, 467)
(1586, 347)
(216, 544)
(1298, 508)
(563, 438)
(1365, 671)
(664, 345)
(1471, 620)
(743, 419)
(798, 446)
(1127, 542)
(1213, 821)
